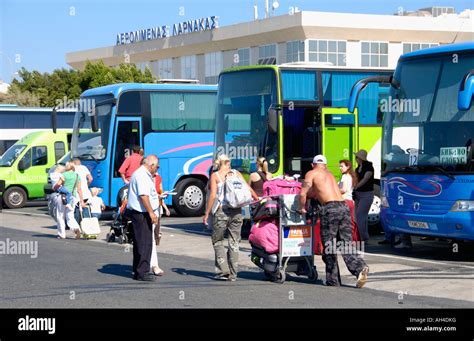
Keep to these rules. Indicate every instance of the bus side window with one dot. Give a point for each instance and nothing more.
(59, 150)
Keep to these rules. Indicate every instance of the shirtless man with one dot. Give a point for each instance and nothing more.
(320, 184)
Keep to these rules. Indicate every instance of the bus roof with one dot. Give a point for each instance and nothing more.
(34, 109)
(445, 49)
(116, 89)
(306, 66)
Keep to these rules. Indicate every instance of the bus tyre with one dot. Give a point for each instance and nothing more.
(190, 199)
(15, 197)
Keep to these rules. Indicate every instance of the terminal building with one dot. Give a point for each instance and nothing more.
(200, 49)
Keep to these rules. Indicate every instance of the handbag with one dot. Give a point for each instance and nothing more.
(264, 209)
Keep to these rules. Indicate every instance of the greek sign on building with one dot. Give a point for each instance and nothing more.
(159, 32)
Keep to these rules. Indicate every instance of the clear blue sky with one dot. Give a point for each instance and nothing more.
(40, 32)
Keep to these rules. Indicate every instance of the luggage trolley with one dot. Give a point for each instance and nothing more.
(295, 251)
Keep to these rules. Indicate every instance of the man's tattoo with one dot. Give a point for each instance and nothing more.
(306, 184)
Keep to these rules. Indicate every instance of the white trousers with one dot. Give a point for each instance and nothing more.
(154, 255)
(64, 216)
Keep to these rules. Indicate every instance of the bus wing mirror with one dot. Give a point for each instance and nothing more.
(361, 84)
(54, 120)
(94, 120)
(22, 165)
(466, 91)
(273, 120)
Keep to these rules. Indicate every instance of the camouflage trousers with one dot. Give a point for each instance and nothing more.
(227, 219)
(336, 235)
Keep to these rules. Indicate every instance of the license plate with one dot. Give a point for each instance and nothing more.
(418, 224)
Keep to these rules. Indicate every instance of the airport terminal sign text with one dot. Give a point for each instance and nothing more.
(160, 32)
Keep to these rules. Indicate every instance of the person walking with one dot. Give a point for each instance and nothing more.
(224, 219)
(348, 179)
(363, 192)
(321, 185)
(257, 178)
(143, 202)
(131, 164)
(154, 267)
(65, 214)
(86, 178)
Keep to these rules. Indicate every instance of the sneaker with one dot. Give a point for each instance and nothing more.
(385, 242)
(232, 279)
(404, 246)
(362, 278)
(221, 277)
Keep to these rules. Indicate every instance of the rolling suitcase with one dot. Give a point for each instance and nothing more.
(90, 227)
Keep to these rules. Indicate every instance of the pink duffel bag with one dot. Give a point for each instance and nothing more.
(281, 186)
(264, 233)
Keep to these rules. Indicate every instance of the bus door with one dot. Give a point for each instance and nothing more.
(128, 132)
(339, 137)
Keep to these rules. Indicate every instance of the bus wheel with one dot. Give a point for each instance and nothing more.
(190, 198)
(15, 197)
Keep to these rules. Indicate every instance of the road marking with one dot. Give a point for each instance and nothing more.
(29, 214)
(418, 260)
(365, 253)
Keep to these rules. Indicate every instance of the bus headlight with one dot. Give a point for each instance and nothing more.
(463, 206)
(384, 201)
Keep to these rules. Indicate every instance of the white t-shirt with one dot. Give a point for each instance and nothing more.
(96, 203)
(55, 177)
(347, 181)
(83, 172)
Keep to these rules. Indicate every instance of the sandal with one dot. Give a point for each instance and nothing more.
(157, 271)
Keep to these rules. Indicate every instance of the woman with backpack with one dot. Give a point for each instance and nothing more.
(257, 178)
(228, 193)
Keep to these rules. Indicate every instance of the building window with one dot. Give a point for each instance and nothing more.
(142, 66)
(212, 66)
(410, 47)
(332, 51)
(267, 54)
(374, 54)
(188, 67)
(244, 56)
(163, 68)
(295, 51)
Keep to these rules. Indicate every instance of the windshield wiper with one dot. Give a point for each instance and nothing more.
(420, 168)
(92, 156)
(402, 169)
(440, 169)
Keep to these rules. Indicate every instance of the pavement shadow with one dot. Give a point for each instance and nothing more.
(190, 272)
(120, 270)
(428, 250)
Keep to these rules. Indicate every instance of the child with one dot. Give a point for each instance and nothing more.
(56, 176)
(96, 203)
